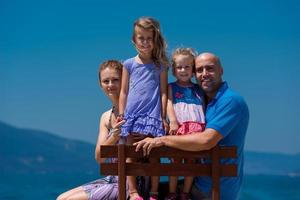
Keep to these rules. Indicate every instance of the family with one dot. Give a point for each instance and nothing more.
(149, 112)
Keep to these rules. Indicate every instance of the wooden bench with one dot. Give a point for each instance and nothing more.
(215, 169)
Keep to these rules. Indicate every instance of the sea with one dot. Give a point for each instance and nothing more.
(49, 186)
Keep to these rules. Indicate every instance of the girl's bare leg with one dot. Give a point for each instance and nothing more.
(173, 179)
(133, 192)
(188, 180)
(132, 185)
(154, 180)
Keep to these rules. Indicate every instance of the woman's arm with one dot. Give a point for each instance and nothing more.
(163, 94)
(103, 138)
(124, 91)
(171, 112)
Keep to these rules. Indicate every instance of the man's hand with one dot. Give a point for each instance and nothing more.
(147, 144)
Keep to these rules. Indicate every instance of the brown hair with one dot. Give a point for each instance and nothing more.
(159, 51)
(186, 52)
(112, 64)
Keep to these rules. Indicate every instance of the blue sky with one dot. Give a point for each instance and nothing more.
(50, 52)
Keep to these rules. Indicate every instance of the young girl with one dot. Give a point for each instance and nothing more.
(185, 108)
(143, 96)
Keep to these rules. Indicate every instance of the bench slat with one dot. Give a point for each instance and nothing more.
(111, 151)
(215, 169)
(152, 169)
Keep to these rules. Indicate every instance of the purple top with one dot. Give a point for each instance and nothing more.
(143, 108)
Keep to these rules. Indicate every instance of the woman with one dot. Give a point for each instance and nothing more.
(110, 73)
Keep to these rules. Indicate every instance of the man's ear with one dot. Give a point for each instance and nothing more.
(221, 70)
(133, 42)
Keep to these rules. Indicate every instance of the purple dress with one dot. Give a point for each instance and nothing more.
(143, 108)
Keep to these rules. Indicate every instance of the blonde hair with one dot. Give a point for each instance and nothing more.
(112, 64)
(186, 52)
(159, 51)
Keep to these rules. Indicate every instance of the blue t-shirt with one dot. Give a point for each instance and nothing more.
(228, 114)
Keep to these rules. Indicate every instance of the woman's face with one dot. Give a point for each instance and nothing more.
(111, 82)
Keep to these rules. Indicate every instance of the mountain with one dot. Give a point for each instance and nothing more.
(26, 150)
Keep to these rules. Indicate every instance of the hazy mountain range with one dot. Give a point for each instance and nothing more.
(27, 150)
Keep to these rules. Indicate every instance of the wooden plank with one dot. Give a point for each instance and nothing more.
(152, 169)
(228, 170)
(228, 152)
(214, 169)
(215, 173)
(111, 151)
(121, 172)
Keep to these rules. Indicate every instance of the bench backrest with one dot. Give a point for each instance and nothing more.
(215, 169)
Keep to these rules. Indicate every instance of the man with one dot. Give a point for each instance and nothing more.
(227, 118)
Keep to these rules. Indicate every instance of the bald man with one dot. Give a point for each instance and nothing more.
(227, 118)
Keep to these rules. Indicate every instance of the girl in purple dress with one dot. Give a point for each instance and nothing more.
(143, 97)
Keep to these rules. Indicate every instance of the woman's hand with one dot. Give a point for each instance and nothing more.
(147, 144)
(120, 117)
(116, 130)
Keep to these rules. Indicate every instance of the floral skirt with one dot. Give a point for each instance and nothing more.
(190, 127)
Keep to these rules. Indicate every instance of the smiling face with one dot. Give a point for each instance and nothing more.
(110, 74)
(143, 40)
(209, 73)
(110, 82)
(183, 68)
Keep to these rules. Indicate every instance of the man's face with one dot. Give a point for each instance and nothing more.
(209, 74)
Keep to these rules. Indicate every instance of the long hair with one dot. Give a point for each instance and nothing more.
(159, 51)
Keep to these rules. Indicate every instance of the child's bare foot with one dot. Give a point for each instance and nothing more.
(153, 196)
(171, 196)
(135, 196)
(184, 196)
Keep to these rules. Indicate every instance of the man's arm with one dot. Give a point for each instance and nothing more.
(194, 142)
